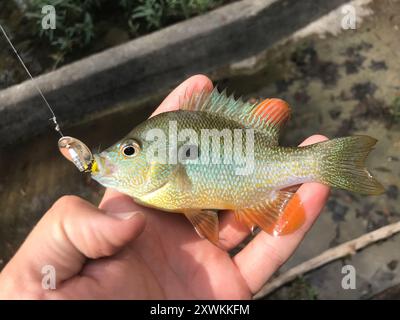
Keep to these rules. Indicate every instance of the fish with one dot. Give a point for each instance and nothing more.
(217, 153)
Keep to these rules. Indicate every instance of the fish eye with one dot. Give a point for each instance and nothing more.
(130, 149)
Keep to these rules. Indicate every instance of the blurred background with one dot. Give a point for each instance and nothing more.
(340, 78)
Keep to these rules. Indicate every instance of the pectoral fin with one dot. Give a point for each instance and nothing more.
(205, 223)
(160, 174)
(157, 176)
(280, 214)
(182, 179)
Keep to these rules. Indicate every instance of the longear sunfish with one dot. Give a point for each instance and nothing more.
(217, 153)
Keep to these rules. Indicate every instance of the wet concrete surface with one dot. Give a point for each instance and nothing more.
(338, 85)
(341, 85)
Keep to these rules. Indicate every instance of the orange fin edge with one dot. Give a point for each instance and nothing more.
(281, 216)
(275, 112)
(206, 224)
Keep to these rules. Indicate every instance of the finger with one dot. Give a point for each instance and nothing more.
(313, 139)
(114, 201)
(232, 232)
(265, 253)
(195, 83)
(69, 233)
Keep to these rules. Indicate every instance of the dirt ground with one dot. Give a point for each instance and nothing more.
(337, 85)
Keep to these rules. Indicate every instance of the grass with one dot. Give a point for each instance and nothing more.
(302, 290)
(81, 22)
(395, 109)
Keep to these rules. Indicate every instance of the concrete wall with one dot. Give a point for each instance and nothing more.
(128, 74)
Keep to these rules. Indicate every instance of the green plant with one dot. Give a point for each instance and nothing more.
(191, 7)
(302, 289)
(153, 14)
(74, 23)
(395, 108)
(77, 20)
(151, 11)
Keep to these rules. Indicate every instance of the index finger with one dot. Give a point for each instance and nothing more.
(194, 84)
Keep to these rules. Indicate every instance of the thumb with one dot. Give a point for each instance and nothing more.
(69, 233)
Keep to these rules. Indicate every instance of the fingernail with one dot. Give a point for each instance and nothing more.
(124, 215)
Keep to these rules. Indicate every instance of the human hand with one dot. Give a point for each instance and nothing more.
(122, 250)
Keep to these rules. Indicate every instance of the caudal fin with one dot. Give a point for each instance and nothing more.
(342, 164)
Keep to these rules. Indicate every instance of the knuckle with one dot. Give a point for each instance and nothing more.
(99, 251)
(66, 204)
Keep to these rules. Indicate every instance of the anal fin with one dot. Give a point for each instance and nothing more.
(280, 214)
(205, 223)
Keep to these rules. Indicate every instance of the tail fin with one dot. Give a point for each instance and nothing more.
(343, 164)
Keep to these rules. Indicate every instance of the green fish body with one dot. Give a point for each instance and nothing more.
(218, 153)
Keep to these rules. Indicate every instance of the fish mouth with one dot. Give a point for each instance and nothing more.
(101, 166)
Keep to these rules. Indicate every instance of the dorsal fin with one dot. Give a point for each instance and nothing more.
(267, 116)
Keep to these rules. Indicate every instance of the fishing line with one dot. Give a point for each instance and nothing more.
(71, 148)
(53, 118)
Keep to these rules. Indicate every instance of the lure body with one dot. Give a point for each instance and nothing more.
(217, 153)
